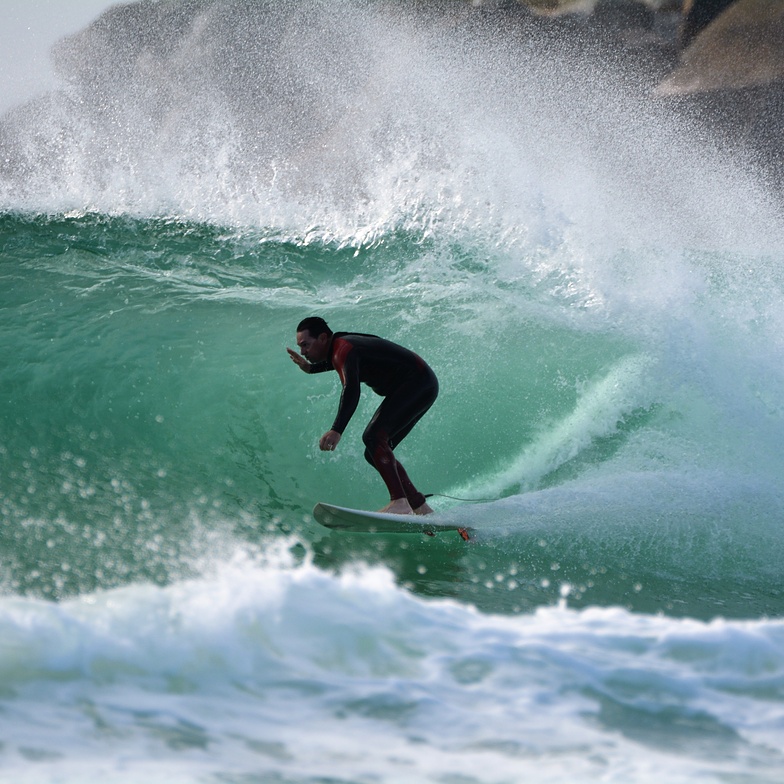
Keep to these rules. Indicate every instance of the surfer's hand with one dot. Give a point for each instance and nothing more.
(329, 441)
(299, 360)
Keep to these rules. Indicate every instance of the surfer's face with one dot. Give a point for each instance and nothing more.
(313, 349)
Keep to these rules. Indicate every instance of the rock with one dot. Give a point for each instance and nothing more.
(697, 14)
(742, 48)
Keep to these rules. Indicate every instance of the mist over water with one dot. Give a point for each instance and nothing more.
(364, 117)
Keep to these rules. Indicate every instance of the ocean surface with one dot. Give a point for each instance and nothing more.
(598, 286)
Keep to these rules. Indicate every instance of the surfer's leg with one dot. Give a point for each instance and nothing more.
(415, 498)
(379, 454)
(392, 422)
(398, 483)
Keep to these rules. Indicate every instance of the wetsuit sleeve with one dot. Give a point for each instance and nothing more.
(319, 367)
(346, 362)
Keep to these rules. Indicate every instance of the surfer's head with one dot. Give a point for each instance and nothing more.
(313, 336)
(315, 325)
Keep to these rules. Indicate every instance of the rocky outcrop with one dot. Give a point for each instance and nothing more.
(720, 62)
(698, 14)
(731, 78)
(743, 47)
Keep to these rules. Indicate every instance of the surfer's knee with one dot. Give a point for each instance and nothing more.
(373, 441)
(378, 451)
(370, 442)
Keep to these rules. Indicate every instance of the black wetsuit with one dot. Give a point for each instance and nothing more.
(407, 384)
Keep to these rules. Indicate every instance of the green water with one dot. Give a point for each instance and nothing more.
(151, 414)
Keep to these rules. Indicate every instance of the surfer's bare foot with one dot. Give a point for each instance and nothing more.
(424, 509)
(398, 506)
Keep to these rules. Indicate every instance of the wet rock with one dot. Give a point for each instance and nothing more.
(742, 48)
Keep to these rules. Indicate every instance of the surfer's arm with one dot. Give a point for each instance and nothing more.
(305, 366)
(348, 369)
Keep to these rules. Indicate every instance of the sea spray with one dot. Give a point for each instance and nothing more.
(360, 117)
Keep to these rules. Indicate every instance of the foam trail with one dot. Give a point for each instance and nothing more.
(599, 410)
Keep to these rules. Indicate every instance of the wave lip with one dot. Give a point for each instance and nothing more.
(353, 117)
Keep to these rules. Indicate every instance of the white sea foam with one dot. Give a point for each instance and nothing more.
(284, 670)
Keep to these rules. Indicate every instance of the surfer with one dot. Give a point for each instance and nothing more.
(405, 381)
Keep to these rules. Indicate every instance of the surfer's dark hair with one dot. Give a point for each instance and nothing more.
(315, 325)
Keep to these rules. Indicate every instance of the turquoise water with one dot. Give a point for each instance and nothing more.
(600, 299)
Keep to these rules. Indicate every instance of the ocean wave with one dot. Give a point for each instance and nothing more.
(244, 664)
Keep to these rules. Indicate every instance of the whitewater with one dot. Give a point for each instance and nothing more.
(595, 279)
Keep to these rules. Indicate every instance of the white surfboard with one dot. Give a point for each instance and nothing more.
(341, 518)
